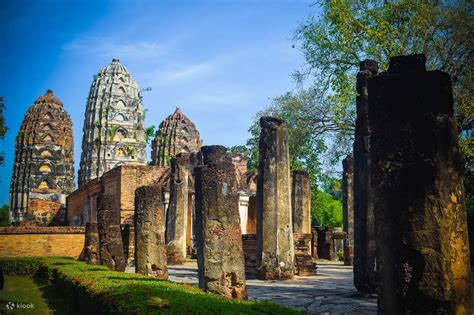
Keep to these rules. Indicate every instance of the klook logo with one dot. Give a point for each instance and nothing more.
(12, 305)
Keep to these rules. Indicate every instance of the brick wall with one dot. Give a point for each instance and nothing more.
(120, 182)
(41, 241)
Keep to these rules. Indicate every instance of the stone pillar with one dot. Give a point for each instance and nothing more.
(150, 249)
(110, 237)
(177, 216)
(301, 202)
(91, 244)
(364, 230)
(417, 175)
(243, 211)
(252, 216)
(326, 244)
(314, 243)
(128, 241)
(348, 208)
(275, 249)
(221, 266)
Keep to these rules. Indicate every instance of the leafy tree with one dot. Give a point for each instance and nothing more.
(347, 32)
(149, 133)
(4, 215)
(329, 210)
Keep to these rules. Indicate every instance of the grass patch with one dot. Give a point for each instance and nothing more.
(98, 290)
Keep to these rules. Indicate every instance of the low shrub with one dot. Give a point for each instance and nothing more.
(94, 289)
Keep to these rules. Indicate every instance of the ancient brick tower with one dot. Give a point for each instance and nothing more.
(114, 130)
(43, 170)
(176, 134)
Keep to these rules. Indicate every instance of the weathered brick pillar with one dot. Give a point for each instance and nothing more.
(221, 265)
(176, 218)
(416, 172)
(110, 237)
(348, 208)
(275, 249)
(150, 249)
(326, 244)
(365, 279)
(91, 243)
(314, 243)
(301, 202)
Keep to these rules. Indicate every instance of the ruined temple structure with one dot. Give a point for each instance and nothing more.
(348, 208)
(416, 170)
(275, 248)
(177, 213)
(365, 276)
(176, 134)
(43, 170)
(221, 267)
(150, 248)
(111, 253)
(114, 129)
(91, 243)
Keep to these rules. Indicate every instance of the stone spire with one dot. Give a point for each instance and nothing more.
(176, 134)
(43, 170)
(114, 130)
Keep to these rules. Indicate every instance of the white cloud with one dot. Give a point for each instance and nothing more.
(109, 47)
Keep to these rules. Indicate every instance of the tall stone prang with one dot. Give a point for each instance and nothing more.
(417, 173)
(365, 279)
(91, 243)
(348, 208)
(221, 265)
(176, 134)
(43, 170)
(176, 217)
(301, 202)
(150, 248)
(111, 252)
(114, 126)
(275, 248)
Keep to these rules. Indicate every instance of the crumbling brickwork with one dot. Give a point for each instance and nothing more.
(150, 248)
(177, 214)
(301, 202)
(416, 170)
(348, 208)
(110, 237)
(275, 248)
(176, 134)
(365, 279)
(114, 124)
(221, 266)
(43, 170)
(91, 244)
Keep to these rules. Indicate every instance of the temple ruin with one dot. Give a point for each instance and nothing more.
(348, 208)
(275, 248)
(150, 249)
(221, 264)
(43, 170)
(416, 171)
(176, 134)
(114, 127)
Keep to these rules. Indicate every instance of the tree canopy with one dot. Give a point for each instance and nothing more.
(320, 111)
(3, 129)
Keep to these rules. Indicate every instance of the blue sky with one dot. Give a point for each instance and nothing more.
(219, 61)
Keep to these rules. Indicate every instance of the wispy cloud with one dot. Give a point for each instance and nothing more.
(110, 47)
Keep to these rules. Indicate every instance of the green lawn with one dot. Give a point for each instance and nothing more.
(23, 290)
(88, 289)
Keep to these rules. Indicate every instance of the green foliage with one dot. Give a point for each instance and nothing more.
(328, 211)
(4, 215)
(347, 32)
(89, 289)
(252, 161)
(150, 133)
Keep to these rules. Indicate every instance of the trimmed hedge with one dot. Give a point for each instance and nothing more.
(92, 289)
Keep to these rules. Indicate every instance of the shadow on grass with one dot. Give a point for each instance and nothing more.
(55, 300)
